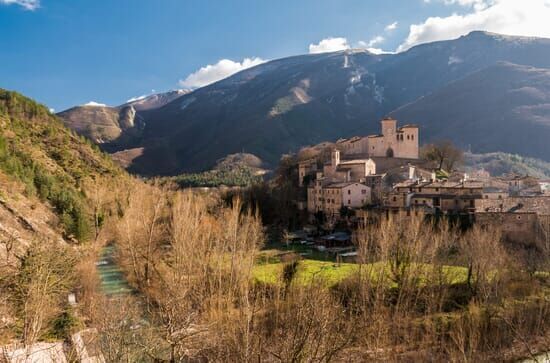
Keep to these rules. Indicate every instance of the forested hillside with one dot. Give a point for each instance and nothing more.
(52, 162)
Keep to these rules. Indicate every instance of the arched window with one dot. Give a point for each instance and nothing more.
(389, 153)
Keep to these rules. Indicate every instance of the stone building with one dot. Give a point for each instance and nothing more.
(521, 219)
(393, 142)
(442, 196)
(522, 227)
(330, 198)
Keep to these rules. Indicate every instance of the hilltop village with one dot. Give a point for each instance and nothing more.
(383, 175)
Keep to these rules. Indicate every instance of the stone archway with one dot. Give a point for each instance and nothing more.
(389, 153)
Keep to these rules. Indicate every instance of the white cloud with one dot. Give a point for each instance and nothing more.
(27, 4)
(215, 72)
(391, 26)
(477, 4)
(371, 45)
(329, 45)
(375, 41)
(511, 17)
(95, 104)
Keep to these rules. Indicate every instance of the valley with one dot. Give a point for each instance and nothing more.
(339, 206)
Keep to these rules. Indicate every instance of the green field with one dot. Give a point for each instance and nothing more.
(330, 273)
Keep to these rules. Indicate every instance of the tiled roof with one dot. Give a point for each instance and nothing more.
(342, 185)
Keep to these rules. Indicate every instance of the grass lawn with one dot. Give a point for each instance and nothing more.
(270, 271)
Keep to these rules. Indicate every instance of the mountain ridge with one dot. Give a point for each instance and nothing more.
(281, 105)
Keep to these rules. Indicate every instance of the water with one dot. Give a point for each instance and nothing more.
(112, 279)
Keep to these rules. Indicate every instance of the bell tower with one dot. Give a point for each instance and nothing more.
(389, 126)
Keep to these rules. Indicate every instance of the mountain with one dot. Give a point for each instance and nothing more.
(155, 100)
(502, 107)
(281, 105)
(104, 125)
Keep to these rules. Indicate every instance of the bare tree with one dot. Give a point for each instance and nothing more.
(444, 153)
(39, 286)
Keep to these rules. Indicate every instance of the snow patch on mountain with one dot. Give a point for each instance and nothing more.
(454, 60)
(186, 102)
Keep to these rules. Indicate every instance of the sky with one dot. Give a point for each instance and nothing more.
(72, 52)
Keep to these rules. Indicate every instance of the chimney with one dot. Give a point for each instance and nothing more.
(412, 172)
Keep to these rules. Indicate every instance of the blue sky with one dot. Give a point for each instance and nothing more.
(70, 52)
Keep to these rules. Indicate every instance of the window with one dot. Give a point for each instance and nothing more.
(408, 137)
(395, 199)
(363, 191)
(349, 201)
(412, 137)
(349, 192)
(437, 189)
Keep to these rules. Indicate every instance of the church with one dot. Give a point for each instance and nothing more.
(393, 142)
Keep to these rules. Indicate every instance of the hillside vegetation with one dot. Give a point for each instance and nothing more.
(50, 161)
(57, 193)
(239, 170)
(502, 163)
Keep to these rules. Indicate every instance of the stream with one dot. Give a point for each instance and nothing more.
(113, 282)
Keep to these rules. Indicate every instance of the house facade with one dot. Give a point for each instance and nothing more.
(330, 198)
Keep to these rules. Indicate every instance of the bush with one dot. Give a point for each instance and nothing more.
(64, 325)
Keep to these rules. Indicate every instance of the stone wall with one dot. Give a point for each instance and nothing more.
(539, 205)
(515, 227)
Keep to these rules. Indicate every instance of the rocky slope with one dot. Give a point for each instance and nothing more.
(106, 125)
